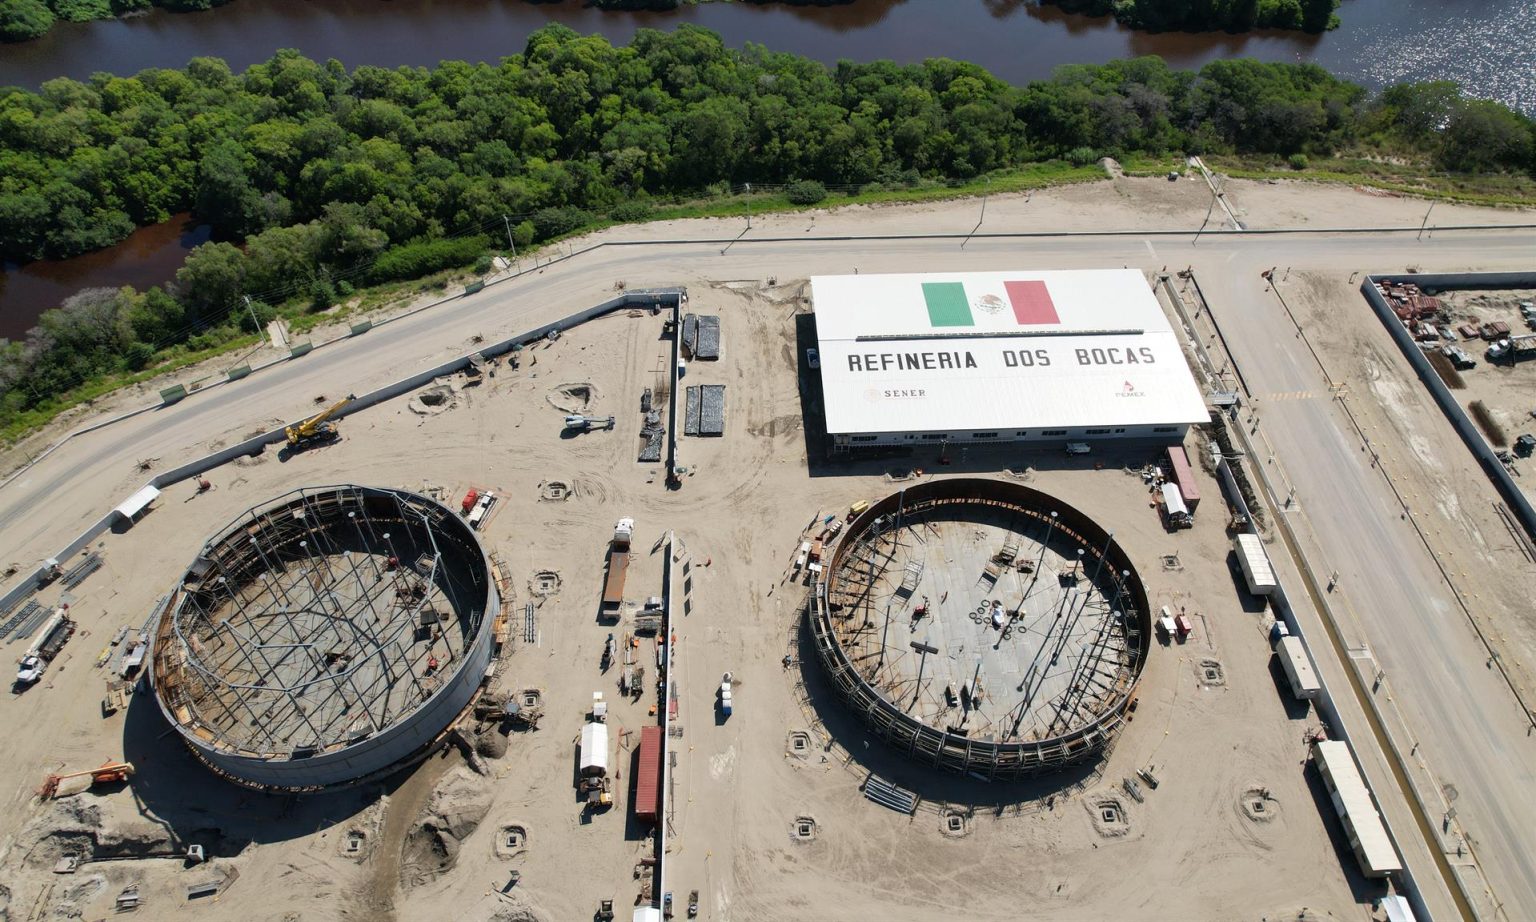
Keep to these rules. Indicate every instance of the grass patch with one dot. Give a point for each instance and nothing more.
(1442, 365)
(1150, 165)
(25, 422)
(1403, 178)
(1033, 176)
(1489, 425)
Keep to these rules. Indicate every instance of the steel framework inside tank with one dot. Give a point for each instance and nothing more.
(1097, 678)
(318, 620)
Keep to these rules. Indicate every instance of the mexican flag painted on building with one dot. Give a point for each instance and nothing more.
(949, 306)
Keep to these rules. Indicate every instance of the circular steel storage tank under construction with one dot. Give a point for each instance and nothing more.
(326, 638)
(982, 626)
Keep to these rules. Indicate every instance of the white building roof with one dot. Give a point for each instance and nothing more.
(594, 747)
(999, 351)
(1352, 800)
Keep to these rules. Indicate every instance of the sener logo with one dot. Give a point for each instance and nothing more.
(896, 393)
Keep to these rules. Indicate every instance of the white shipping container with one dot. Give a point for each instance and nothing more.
(1297, 664)
(1254, 561)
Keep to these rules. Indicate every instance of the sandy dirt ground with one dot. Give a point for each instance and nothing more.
(1420, 453)
(1195, 847)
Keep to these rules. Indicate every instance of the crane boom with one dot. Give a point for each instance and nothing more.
(316, 429)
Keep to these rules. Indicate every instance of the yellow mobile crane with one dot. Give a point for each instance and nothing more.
(315, 430)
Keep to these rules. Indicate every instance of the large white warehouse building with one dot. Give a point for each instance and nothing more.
(1026, 356)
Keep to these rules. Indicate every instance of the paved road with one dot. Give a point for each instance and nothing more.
(1471, 730)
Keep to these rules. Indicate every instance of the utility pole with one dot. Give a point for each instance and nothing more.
(1426, 219)
(981, 218)
(510, 242)
(749, 206)
(260, 330)
(1208, 212)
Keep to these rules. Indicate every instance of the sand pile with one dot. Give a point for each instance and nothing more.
(450, 816)
(572, 398)
(516, 909)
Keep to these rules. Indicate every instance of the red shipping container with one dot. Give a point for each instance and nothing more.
(648, 776)
(1178, 462)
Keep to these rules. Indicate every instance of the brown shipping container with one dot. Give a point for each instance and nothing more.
(648, 776)
(1178, 460)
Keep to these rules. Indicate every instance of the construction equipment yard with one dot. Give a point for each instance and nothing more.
(1196, 797)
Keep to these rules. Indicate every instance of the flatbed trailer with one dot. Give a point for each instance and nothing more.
(618, 568)
(613, 586)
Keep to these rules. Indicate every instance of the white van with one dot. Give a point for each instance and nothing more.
(1078, 448)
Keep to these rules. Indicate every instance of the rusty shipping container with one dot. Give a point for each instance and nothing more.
(648, 776)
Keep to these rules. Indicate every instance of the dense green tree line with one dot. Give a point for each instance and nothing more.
(1212, 15)
(328, 178)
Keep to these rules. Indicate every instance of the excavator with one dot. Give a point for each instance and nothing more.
(315, 430)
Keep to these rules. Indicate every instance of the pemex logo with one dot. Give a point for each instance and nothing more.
(1030, 301)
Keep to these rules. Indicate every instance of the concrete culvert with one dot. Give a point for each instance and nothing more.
(434, 399)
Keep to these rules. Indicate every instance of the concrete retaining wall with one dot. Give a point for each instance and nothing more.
(1326, 706)
(1449, 405)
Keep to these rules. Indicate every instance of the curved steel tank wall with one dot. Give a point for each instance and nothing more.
(386, 750)
(948, 751)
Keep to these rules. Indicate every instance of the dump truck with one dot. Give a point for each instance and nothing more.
(482, 508)
(1254, 561)
(618, 568)
(54, 636)
(1297, 664)
(1512, 349)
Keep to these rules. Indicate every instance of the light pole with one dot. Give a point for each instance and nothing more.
(1426, 219)
(924, 649)
(510, 242)
(749, 206)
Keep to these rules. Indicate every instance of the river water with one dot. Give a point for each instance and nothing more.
(150, 256)
(1489, 46)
